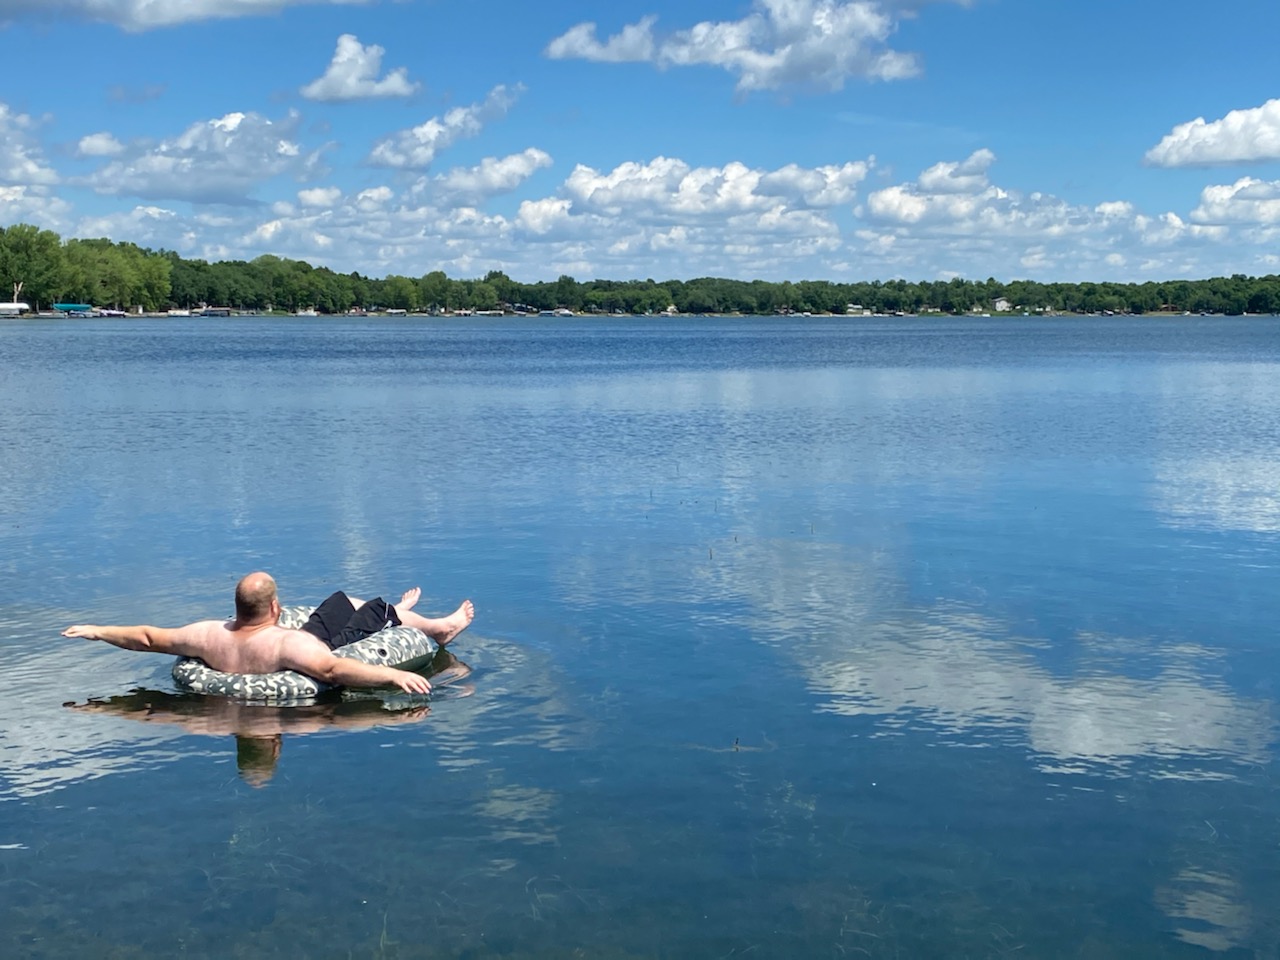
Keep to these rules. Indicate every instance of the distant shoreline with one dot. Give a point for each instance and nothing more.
(665, 315)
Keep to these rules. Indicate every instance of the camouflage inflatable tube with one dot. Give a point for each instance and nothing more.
(402, 647)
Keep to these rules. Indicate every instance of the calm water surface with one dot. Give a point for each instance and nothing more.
(795, 639)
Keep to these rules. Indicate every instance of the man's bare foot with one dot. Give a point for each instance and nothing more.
(410, 598)
(456, 622)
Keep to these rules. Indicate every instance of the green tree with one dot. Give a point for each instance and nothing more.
(399, 293)
(484, 296)
(433, 290)
(502, 285)
(31, 259)
(120, 275)
(568, 293)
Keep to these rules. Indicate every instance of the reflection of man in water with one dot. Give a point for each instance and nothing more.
(260, 729)
(254, 642)
(256, 758)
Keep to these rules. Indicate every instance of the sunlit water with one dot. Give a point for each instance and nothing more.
(814, 638)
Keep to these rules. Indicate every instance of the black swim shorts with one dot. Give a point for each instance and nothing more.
(337, 622)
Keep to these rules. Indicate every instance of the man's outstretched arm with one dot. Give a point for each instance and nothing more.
(322, 665)
(181, 641)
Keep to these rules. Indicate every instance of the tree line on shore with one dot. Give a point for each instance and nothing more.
(38, 267)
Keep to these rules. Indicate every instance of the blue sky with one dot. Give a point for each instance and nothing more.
(774, 139)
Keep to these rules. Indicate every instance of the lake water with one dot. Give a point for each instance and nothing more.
(820, 638)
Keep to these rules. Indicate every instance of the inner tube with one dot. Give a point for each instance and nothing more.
(403, 647)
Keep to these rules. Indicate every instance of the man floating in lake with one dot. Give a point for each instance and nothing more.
(254, 642)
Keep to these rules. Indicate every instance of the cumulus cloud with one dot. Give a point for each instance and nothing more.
(969, 176)
(353, 75)
(373, 199)
(137, 15)
(99, 145)
(952, 218)
(33, 204)
(730, 220)
(827, 186)
(543, 216)
(21, 159)
(1242, 136)
(215, 161)
(147, 225)
(319, 197)
(959, 197)
(670, 188)
(491, 177)
(780, 43)
(416, 148)
(944, 193)
(634, 43)
(1169, 228)
(1247, 201)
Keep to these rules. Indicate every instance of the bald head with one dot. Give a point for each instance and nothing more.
(255, 594)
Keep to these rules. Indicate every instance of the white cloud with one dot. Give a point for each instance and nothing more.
(319, 197)
(969, 176)
(543, 216)
(373, 199)
(267, 232)
(139, 15)
(1242, 136)
(215, 161)
(633, 44)
(1246, 201)
(353, 75)
(493, 176)
(945, 193)
(1169, 228)
(1115, 210)
(416, 148)
(99, 145)
(781, 43)
(670, 188)
(21, 162)
(731, 220)
(147, 225)
(827, 186)
(33, 204)
(952, 218)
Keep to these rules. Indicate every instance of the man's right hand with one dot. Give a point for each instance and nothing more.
(411, 682)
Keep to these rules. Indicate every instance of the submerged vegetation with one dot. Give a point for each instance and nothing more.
(37, 266)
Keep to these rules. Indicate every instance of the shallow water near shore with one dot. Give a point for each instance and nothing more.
(817, 638)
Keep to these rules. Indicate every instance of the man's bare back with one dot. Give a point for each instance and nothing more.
(263, 649)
